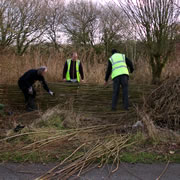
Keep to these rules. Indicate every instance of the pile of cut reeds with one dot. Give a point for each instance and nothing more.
(102, 152)
(163, 104)
(97, 146)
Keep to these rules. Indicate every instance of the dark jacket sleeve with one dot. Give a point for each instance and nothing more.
(81, 71)
(65, 70)
(130, 65)
(108, 71)
(43, 82)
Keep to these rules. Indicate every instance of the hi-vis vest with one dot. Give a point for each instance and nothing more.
(119, 66)
(68, 78)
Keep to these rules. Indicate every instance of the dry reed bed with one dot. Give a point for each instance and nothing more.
(13, 66)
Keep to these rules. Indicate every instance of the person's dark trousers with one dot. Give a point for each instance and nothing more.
(29, 98)
(31, 105)
(123, 81)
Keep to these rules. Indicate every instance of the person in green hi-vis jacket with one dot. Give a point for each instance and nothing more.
(73, 70)
(118, 67)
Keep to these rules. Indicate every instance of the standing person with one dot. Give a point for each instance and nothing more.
(73, 69)
(26, 82)
(118, 65)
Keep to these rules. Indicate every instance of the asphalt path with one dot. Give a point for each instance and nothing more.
(16, 171)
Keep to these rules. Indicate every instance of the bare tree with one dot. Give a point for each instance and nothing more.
(156, 22)
(8, 22)
(114, 26)
(80, 22)
(54, 17)
(31, 23)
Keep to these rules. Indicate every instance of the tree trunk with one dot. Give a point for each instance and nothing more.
(157, 68)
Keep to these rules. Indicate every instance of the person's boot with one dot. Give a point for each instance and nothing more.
(113, 109)
(126, 108)
(31, 106)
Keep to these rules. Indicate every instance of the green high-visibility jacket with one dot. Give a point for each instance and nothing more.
(68, 78)
(119, 66)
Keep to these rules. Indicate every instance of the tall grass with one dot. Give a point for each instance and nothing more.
(94, 65)
(12, 66)
(142, 73)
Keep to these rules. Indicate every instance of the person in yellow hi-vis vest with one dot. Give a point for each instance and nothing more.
(119, 66)
(73, 70)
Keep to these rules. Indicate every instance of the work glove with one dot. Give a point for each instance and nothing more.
(51, 93)
(30, 90)
(105, 84)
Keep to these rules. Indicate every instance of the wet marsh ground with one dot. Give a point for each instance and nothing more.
(91, 101)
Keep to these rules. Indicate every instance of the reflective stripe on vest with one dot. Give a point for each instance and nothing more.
(68, 78)
(119, 66)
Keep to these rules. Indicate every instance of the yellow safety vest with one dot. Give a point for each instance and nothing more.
(119, 66)
(68, 78)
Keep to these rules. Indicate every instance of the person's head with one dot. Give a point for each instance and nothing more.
(74, 56)
(114, 51)
(42, 70)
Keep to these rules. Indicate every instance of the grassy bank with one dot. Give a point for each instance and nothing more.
(49, 141)
(139, 149)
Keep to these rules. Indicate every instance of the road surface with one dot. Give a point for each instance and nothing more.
(13, 171)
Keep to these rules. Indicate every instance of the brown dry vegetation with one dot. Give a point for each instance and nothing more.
(163, 104)
(13, 66)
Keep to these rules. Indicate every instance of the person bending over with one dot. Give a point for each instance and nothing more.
(26, 82)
